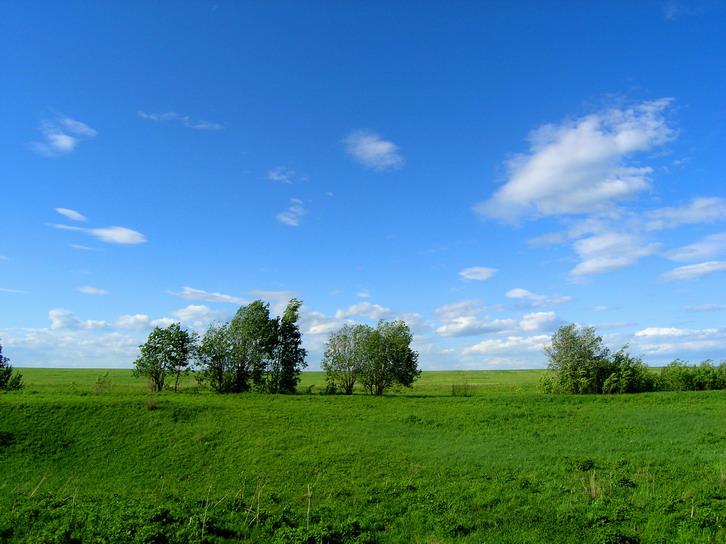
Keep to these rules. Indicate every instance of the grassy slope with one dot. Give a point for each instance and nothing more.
(506, 465)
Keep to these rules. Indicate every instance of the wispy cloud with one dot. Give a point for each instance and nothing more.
(368, 149)
(477, 273)
(610, 251)
(535, 300)
(656, 341)
(580, 166)
(111, 235)
(292, 215)
(16, 291)
(694, 271)
(189, 293)
(200, 315)
(705, 248)
(281, 173)
(88, 290)
(71, 214)
(178, 118)
(700, 210)
(61, 135)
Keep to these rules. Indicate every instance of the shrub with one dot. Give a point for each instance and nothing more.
(8, 380)
(681, 376)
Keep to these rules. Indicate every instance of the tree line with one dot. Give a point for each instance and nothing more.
(9, 380)
(579, 363)
(257, 351)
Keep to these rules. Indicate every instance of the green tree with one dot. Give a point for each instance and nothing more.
(167, 351)
(8, 380)
(251, 336)
(343, 356)
(215, 358)
(387, 357)
(288, 355)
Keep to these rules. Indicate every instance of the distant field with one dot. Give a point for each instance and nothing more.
(432, 382)
(87, 461)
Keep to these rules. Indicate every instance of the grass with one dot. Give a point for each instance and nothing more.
(506, 464)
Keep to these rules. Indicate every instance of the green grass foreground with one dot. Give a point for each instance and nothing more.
(89, 457)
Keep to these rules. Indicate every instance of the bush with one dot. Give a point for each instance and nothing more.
(681, 376)
(8, 380)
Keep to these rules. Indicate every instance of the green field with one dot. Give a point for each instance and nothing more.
(86, 459)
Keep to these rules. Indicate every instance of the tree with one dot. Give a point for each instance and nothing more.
(251, 336)
(579, 363)
(167, 351)
(387, 357)
(215, 358)
(288, 355)
(343, 355)
(8, 380)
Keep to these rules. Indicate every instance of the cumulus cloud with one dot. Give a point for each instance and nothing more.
(477, 273)
(709, 246)
(610, 251)
(88, 290)
(189, 293)
(178, 118)
(111, 235)
(694, 271)
(65, 319)
(292, 215)
(700, 210)
(373, 152)
(536, 300)
(200, 315)
(511, 344)
(61, 135)
(71, 214)
(580, 166)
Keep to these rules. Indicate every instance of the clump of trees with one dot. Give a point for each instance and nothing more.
(253, 350)
(579, 363)
(9, 381)
(377, 358)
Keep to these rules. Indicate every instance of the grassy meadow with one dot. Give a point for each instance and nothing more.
(476, 456)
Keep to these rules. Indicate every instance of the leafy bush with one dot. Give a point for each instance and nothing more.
(681, 376)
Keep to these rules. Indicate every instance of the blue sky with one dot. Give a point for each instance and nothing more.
(485, 171)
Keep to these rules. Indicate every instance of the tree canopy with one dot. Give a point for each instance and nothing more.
(167, 351)
(9, 381)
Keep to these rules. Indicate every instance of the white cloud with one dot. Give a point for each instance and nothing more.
(473, 325)
(292, 215)
(580, 165)
(71, 214)
(536, 300)
(463, 308)
(540, 321)
(610, 251)
(189, 293)
(111, 235)
(655, 341)
(200, 315)
(88, 290)
(62, 135)
(709, 246)
(282, 174)
(700, 210)
(363, 293)
(183, 119)
(375, 312)
(511, 344)
(65, 319)
(477, 273)
(548, 239)
(694, 271)
(17, 291)
(372, 152)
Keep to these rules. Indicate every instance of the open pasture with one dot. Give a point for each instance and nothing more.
(103, 460)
